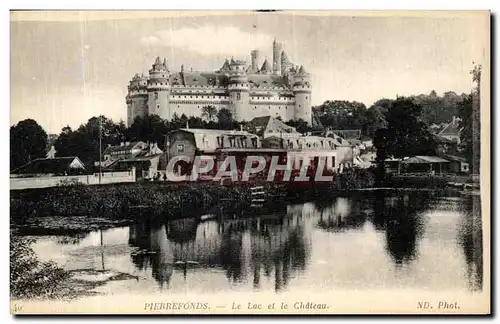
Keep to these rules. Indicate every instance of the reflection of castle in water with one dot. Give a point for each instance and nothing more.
(276, 247)
(273, 246)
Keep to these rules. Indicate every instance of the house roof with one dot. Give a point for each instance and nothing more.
(116, 148)
(261, 121)
(455, 158)
(140, 158)
(419, 159)
(272, 125)
(202, 131)
(452, 128)
(443, 140)
(56, 165)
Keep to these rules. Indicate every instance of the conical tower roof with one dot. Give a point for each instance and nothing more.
(225, 66)
(302, 70)
(266, 67)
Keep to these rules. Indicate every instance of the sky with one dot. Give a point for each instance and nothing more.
(69, 66)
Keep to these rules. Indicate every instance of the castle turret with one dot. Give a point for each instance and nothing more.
(137, 98)
(255, 61)
(159, 89)
(302, 92)
(238, 89)
(277, 57)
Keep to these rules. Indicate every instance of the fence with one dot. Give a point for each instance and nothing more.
(90, 179)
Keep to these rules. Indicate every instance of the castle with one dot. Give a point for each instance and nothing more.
(282, 90)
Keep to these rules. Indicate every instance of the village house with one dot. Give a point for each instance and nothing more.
(452, 131)
(58, 166)
(147, 159)
(276, 134)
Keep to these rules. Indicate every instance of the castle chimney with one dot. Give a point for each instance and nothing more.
(187, 125)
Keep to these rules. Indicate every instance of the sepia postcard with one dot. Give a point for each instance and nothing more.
(250, 162)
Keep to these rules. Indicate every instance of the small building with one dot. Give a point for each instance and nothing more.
(452, 131)
(146, 158)
(191, 141)
(58, 166)
(422, 164)
(457, 164)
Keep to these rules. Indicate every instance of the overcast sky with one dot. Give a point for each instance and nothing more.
(68, 67)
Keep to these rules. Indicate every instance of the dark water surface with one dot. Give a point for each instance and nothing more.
(373, 240)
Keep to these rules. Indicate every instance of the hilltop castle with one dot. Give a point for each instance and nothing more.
(248, 91)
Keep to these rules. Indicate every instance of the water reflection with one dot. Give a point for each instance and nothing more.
(471, 239)
(370, 240)
(272, 246)
(401, 216)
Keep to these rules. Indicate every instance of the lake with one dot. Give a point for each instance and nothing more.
(372, 240)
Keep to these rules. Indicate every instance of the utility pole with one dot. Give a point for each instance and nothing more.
(100, 147)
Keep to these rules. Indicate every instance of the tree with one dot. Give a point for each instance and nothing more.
(300, 125)
(149, 128)
(372, 120)
(406, 134)
(209, 112)
(28, 141)
(340, 114)
(86, 140)
(225, 119)
(469, 113)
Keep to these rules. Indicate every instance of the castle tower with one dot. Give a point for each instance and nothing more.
(302, 93)
(277, 47)
(238, 89)
(159, 89)
(137, 98)
(255, 60)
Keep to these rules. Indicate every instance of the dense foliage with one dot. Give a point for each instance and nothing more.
(28, 141)
(29, 277)
(470, 121)
(406, 134)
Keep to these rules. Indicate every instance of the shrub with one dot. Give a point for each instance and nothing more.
(29, 277)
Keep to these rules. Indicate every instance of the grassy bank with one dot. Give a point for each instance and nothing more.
(116, 201)
(108, 203)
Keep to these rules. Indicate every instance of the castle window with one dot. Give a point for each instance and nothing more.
(238, 96)
(158, 106)
(156, 95)
(306, 97)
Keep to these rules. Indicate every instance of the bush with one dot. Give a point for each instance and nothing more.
(29, 277)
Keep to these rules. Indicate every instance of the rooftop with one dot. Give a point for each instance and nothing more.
(58, 165)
